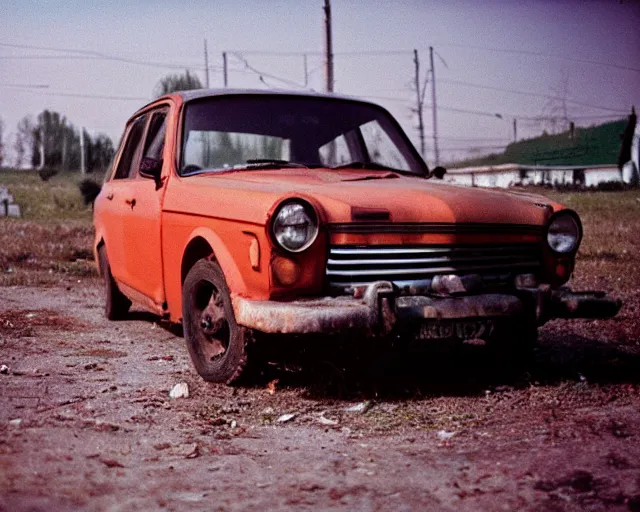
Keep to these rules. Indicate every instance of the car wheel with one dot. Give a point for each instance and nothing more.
(216, 343)
(116, 303)
(512, 341)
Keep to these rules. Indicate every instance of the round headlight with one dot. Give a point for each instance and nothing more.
(295, 226)
(564, 232)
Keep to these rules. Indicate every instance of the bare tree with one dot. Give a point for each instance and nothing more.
(178, 82)
(24, 139)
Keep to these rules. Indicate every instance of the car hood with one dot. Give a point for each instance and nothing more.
(250, 194)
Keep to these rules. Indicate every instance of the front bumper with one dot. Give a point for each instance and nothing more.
(379, 310)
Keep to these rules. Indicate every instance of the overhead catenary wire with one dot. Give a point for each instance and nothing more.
(263, 74)
(527, 93)
(92, 54)
(542, 54)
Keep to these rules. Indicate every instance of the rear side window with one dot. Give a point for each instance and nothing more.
(154, 144)
(126, 165)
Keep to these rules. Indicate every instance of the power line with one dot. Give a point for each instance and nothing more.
(479, 139)
(25, 86)
(263, 74)
(473, 148)
(91, 54)
(490, 114)
(542, 54)
(525, 93)
(473, 47)
(81, 95)
(376, 53)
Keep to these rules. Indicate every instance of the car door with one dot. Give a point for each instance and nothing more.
(142, 251)
(115, 209)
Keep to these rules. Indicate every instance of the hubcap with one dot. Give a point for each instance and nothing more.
(214, 327)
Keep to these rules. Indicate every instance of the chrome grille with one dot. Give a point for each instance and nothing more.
(407, 265)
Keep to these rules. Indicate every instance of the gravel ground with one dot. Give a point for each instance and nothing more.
(86, 421)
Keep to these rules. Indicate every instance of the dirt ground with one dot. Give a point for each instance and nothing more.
(86, 421)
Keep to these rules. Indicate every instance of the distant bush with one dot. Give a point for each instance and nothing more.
(89, 190)
(47, 172)
(605, 186)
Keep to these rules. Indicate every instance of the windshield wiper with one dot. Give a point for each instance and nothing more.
(370, 166)
(271, 163)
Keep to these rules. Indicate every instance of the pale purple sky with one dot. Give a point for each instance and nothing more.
(591, 50)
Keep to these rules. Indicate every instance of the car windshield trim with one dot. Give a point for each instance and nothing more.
(252, 165)
(280, 120)
(370, 166)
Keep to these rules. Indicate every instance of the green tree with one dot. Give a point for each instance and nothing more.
(178, 82)
(61, 143)
(100, 152)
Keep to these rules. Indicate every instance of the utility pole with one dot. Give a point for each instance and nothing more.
(306, 71)
(434, 108)
(64, 148)
(224, 69)
(83, 170)
(41, 146)
(419, 103)
(328, 45)
(206, 64)
(515, 130)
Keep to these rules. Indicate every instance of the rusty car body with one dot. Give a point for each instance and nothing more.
(239, 211)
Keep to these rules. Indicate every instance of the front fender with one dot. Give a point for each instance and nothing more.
(222, 255)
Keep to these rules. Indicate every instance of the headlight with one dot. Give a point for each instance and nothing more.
(564, 232)
(295, 225)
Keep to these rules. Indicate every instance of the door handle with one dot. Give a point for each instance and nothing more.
(130, 202)
(110, 196)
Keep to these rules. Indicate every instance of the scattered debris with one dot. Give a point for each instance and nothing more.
(111, 463)
(444, 435)
(326, 421)
(180, 390)
(271, 387)
(4, 369)
(362, 407)
(194, 453)
(286, 417)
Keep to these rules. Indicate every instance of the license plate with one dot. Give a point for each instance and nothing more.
(462, 329)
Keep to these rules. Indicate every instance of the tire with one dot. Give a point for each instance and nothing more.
(216, 343)
(513, 341)
(116, 303)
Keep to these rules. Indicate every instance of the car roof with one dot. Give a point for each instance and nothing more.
(196, 94)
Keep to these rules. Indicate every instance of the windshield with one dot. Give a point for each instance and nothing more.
(247, 132)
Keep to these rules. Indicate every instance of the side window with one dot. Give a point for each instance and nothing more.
(154, 144)
(335, 152)
(381, 148)
(126, 165)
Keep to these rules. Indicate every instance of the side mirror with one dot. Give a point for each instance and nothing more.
(151, 168)
(439, 172)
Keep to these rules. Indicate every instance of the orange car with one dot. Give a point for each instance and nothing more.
(236, 211)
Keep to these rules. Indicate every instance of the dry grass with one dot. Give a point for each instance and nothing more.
(53, 240)
(51, 244)
(610, 252)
